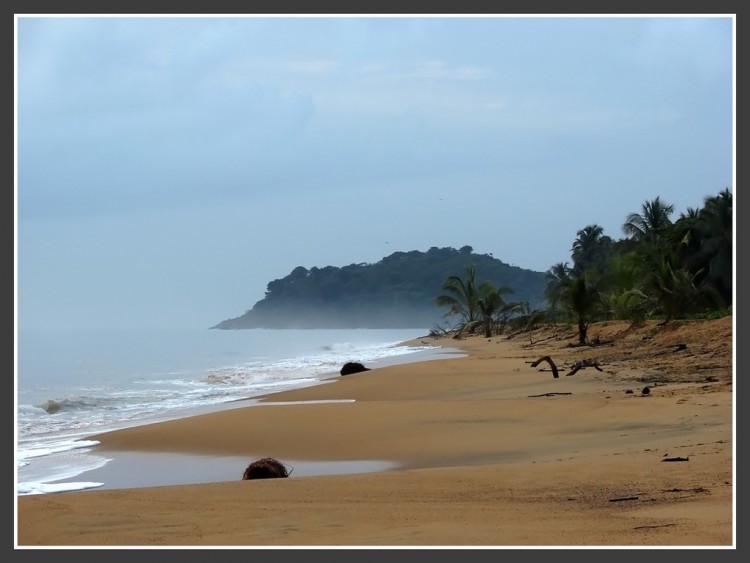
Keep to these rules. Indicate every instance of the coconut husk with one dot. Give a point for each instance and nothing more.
(266, 468)
(353, 367)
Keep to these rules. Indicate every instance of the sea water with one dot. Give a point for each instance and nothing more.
(75, 383)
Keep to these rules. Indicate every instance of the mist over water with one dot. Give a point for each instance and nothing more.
(73, 384)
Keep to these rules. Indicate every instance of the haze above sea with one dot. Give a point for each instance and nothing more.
(71, 384)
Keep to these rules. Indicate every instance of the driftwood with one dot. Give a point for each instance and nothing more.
(678, 490)
(587, 363)
(675, 459)
(550, 394)
(620, 499)
(266, 468)
(675, 348)
(550, 362)
(531, 344)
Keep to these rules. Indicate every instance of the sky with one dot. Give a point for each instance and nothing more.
(169, 168)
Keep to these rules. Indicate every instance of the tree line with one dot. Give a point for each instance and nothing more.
(661, 268)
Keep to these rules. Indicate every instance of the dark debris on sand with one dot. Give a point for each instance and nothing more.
(266, 468)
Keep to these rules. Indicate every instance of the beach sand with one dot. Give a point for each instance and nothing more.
(483, 450)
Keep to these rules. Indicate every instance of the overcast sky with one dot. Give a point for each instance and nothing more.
(169, 168)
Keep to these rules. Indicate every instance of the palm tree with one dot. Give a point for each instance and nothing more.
(652, 224)
(582, 300)
(673, 291)
(476, 306)
(686, 237)
(704, 242)
(590, 248)
(715, 224)
(558, 277)
(490, 302)
(577, 293)
(462, 296)
(623, 299)
(527, 317)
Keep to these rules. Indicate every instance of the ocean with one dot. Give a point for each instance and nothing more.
(75, 383)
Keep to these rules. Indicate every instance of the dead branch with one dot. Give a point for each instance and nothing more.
(547, 359)
(549, 394)
(678, 490)
(587, 363)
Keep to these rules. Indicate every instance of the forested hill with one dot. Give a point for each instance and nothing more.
(399, 291)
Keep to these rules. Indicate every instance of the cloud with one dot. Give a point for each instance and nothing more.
(438, 70)
(280, 71)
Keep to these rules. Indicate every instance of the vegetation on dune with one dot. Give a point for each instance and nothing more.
(660, 269)
(475, 305)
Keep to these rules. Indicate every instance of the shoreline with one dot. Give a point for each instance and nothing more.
(117, 474)
(490, 451)
(169, 468)
(85, 468)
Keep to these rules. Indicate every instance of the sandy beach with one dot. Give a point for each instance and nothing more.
(635, 448)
